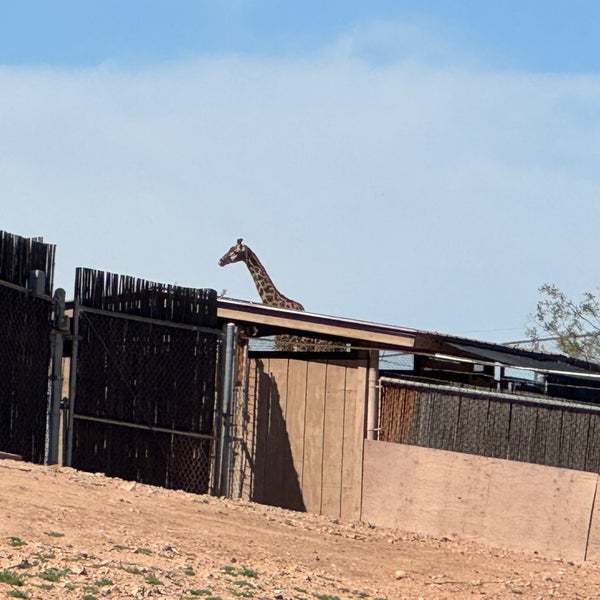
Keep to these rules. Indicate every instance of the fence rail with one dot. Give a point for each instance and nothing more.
(517, 427)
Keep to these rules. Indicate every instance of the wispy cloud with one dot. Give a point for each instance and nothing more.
(400, 190)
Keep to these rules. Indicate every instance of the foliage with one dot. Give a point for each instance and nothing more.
(52, 574)
(152, 579)
(54, 533)
(10, 578)
(574, 325)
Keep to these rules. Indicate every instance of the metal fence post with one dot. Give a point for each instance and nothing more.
(60, 326)
(227, 387)
(68, 421)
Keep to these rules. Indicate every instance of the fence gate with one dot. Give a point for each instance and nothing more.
(26, 269)
(143, 381)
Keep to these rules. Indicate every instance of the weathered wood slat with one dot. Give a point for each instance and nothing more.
(20, 256)
(134, 296)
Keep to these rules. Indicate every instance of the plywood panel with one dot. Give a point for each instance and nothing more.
(295, 412)
(262, 387)
(497, 502)
(354, 435)
(333, 438)
(313, 437)
(277, 445)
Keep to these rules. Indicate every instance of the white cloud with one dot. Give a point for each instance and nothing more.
(420, 195)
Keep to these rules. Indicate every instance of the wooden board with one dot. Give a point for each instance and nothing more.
(333, 439)
(310, 425)
(278, 456)
(504, 503)
(295, 412)
(312, 479)
(354, 435)
(263, 390)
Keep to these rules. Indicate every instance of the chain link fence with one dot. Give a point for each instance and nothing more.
(24, 363)
(525, 428)
(143, 388)
(243, 427)
(145, 401)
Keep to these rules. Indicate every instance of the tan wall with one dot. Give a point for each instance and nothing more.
(496, 502)
(309, 431)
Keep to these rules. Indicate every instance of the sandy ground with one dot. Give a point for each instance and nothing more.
(68, 534)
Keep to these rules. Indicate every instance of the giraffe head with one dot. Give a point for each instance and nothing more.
(236, 253)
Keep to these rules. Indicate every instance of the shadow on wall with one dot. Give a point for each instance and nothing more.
(276, 480)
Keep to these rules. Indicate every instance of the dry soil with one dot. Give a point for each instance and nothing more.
(69, 534)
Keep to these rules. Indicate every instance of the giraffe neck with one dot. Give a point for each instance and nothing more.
(267, 291)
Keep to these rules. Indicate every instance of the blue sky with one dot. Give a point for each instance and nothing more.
(525, 34)
(426, 164)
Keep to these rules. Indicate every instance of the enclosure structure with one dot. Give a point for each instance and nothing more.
(143, 381)
(165, 386)
(26, 306)
(336, 434)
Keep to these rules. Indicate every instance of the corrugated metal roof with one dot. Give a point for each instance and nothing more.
(522, 361)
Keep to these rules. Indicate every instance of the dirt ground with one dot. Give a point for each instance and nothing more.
(68, 534)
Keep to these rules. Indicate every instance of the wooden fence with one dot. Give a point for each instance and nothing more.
(20, 256)
(308, 427)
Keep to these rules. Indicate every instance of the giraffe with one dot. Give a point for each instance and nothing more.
(267, 291)
(271, 296)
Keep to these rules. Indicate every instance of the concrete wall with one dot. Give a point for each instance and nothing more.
(497, 502)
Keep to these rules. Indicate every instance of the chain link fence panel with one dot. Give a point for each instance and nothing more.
(24, 364)
(533, 429)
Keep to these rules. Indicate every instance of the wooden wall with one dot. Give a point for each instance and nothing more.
(309, 431)
(497, 502)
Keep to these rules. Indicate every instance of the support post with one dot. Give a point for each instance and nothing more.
(225, 442)
(373, 396)
(57, 333)
(70, 404)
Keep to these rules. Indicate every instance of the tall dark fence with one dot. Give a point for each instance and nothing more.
(145, 367)
(24, 346)
(530, 429)
(20, 256)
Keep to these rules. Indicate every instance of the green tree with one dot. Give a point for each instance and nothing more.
(574, 325)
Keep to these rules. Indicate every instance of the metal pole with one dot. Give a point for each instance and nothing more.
(373, 396)
(56, 379)
(68, 450)
(225, 450)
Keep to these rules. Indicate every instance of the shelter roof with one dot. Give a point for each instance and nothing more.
(267, 320)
